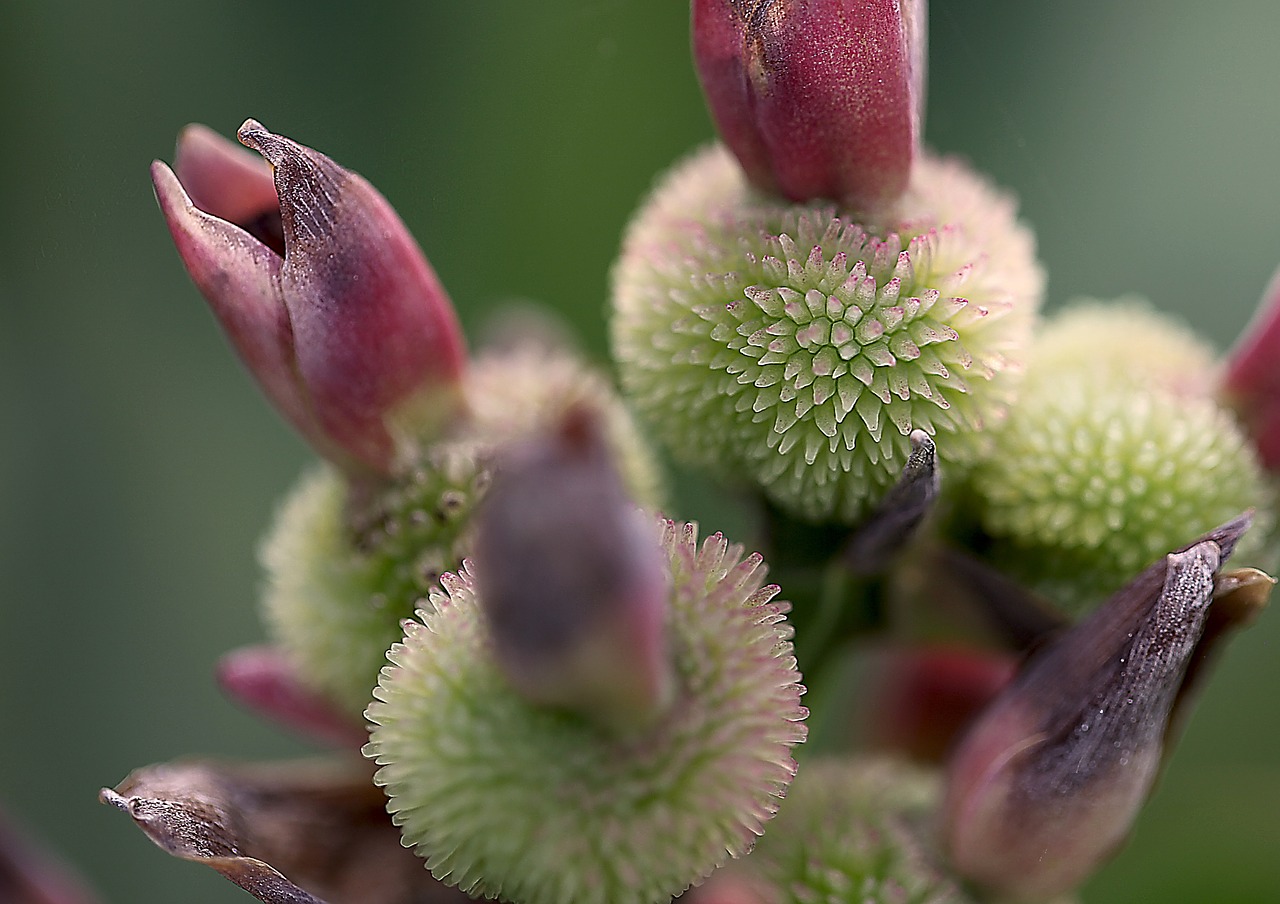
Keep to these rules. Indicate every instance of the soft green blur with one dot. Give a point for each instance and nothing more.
(138, 466)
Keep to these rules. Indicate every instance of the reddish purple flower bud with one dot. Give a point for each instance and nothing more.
(1046, 785)
(816, 98)
(321, 289)
(572, 581)
(261, 680)
(922, 699)
(30, 875)
(1252, 379)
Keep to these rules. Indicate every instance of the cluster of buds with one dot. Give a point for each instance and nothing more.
(567, 696)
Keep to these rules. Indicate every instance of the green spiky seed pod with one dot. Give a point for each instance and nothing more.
(336, 593)
(516, 390)
(789, 347)
(506, 798)
(854, 832)
(341, 576)
(1115, 452)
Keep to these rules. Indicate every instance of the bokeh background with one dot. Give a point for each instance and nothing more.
(138, 466)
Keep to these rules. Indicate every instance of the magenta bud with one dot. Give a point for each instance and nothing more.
(1252, 377)
(321, 289)
(921, 699)
(1047, 784)
(31, 875)
(816, 98)
(261, 680)
(571, 579)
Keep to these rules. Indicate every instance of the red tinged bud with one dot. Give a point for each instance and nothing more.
(261, 680)
(321, 289)
(1252, 378)
(816, 98)
(1047, 784)
(922, 699)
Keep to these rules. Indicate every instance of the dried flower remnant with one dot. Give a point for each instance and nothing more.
(816, 99)
(1047, 784)
(571, 581)
(287, 833)
(322, 291)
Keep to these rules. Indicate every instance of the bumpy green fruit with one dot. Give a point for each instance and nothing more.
(506, 798)
(1115, 453)
(786, 346)
(854, 832)
(343, 574)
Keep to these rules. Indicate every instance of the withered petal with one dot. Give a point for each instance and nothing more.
(287, 833)
(1048, 782)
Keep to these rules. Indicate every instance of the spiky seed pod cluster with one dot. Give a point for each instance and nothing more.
(792, 347)
(342, 575)
(1114, 453)
(505, 798)
(853, 832)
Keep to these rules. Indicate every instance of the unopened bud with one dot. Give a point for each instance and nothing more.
(1049, 781)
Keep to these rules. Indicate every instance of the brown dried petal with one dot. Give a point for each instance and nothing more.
(287, 833)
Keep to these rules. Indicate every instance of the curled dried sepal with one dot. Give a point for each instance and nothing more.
(264, 681)
(273, 829)
(572, 581)
(816, 98)
(895, 519)
(1047, 784)
(323, 293)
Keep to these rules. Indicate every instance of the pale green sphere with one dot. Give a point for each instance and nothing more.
(855, 831)
(504, 798)
(1115, 454)
(787, 347)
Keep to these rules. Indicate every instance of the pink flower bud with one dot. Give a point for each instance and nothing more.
(572, 581)
(1252, 379)
(1046, 785)
(321, 289)
(816, 98)
(261, 680)
(921, 699)
(31, 875)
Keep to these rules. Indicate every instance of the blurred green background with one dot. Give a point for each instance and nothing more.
(138, 465)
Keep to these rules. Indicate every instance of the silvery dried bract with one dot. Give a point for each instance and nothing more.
(1048, 782)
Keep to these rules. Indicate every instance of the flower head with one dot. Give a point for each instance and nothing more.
(505, 797)
(794, 348)
(816, 99)
(321, 289)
